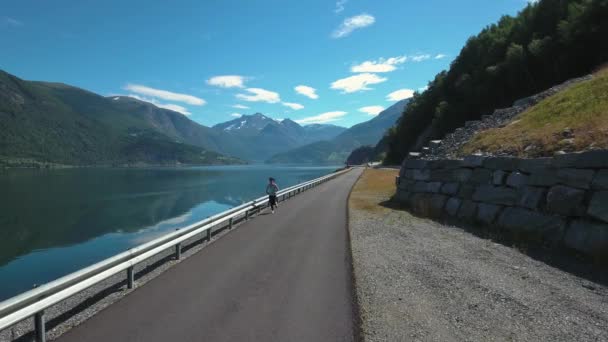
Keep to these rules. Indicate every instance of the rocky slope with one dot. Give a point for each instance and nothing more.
(451, 146)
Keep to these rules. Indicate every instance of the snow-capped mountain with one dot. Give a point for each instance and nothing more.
(281, 133)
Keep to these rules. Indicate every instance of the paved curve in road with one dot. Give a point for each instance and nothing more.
(282, 277)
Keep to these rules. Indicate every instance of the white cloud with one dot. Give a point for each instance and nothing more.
(260, 95)
(440, 56)
(353, 23)
(227, 81)
(322, 118)
(165, 95)
(307, 91)
(400, 94)
(170, 106)
(236, 115)
(340, 5)
(294, 106)
(11, 22)
(381, 65)
(420, 58)
(240, 106)
(357, 82)
(173, 107)
(372, 110)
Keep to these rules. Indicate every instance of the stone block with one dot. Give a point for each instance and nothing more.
(451, 175)
(564, 200)
(402, 197)
(466, 191)
(587, 237)
(496, 195)
(428, 205)
(418, 174)
(406, 184)
(415, 163)
(543, 177)
(600, 181)
(532, 225)
(473, 161)
(487, 213)
(481, 176)
(429, 187)
(534, 165)
(531, 197)
(452, 206)
(437, 204)
(517, 180)
(461, 175)
(598, 207)
(402, 171)
(501, 163)
(467, 211)
(450, 188)
(577, 178)
(498, 178)
(445, 164)
(597, 159)
(434, 144)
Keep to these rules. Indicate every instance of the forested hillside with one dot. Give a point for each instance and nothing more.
(53, 123)
(546, 43)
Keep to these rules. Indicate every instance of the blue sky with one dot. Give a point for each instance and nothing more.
(215, 59)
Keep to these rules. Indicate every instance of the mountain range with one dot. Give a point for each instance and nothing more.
(336, 150)
(43, 122)
(264, 137)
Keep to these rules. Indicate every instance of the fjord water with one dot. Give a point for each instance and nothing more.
(54, 222)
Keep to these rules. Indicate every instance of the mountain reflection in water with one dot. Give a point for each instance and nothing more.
(53, 222)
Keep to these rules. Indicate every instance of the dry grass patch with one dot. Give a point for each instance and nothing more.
(374, 187)
(572, 120)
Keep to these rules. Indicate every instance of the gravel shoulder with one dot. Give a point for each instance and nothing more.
(418, 280)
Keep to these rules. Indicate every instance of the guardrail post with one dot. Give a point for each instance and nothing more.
(178, 251)
(130, 277)
(246, 215)
(230, 223)
(39, 327)
(209, 234)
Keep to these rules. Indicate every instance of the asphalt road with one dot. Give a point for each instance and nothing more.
(279, 277)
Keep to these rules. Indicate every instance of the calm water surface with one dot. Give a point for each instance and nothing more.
(54, 222)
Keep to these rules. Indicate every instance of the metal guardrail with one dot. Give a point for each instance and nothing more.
(34, 302)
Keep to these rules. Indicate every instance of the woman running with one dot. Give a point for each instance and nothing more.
(271, 189)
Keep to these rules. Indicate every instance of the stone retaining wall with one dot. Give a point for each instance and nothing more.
(559, 202)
